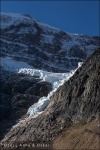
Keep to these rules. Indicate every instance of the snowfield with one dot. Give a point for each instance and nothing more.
(12, 65)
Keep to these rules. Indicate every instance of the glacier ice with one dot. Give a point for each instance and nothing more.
(56, 79)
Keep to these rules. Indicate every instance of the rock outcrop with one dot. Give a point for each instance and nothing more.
(78, 100)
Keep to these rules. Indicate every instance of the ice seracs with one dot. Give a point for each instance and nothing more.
(56, 79)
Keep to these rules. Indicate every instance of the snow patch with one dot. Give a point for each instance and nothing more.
(12, 65)
(47, 39)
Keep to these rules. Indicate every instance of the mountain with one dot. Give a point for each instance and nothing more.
(39, 95)
(26, 42)
(73, 110)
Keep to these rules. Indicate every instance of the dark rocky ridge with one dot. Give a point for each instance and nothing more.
(42, 46)
(77, 100)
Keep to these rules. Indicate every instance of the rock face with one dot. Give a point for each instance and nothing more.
(40, 89)
(42, 46)
(18, 93)
(78, 100)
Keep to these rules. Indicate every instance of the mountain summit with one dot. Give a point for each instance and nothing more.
(41, 46)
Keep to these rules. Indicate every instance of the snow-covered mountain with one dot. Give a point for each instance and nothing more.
(28, 42)
(45, 58)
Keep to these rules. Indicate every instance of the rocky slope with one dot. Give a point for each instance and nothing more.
(39, 45)
(80, 136)
(77, 101)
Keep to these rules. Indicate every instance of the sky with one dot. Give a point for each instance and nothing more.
(81, 17)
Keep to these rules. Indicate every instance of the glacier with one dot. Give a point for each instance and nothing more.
(56, 79)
